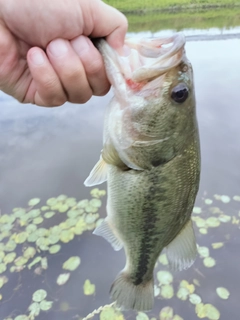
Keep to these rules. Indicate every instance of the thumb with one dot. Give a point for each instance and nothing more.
(109, 23)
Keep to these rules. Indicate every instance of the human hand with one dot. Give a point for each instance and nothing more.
(46, 56)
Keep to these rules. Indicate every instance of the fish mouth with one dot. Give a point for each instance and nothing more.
(151, 58)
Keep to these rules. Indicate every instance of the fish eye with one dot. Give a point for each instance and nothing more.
(179, 93)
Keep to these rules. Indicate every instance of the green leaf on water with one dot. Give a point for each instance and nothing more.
(111, 314)
(224, 218)
(66, 236)
(38, 220)
(52, 201)
(62, 197)
(32, 237)
(164, 277)
(63, 278)
(95, 203)
(21, 237)
(194, 298)
(82, 204)
(63, 208)
(223, 293)
(53, 238)
(142, 316)
(163, 259)
(34, 309)
(167, 291)
(33, 202)
(236, 198)
(72, 263)
(213, 222)
(217, 245)
(39, 295)
(208, 201)
(9, 258)
(211, 312)
(44, 263)
(182, 293)
(22, 317)
(197, 210)
(209, 262)
(74, 213)
(3, 280)
(166, 313)
(35, 261)
(20, 261)
(203, 252)
(55, 248)
(3, 267)
(49, 214)
(45, 208)
(203, 231)
(88, 288)
(46, 305)
(31, 228)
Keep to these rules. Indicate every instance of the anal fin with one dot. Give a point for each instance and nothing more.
(98, 174)
(182, 251)
(105, 231)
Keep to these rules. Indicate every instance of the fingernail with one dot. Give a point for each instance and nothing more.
(58, 47)
(37, 57)
(80, 44)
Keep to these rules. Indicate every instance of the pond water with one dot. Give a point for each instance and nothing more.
(45, 153)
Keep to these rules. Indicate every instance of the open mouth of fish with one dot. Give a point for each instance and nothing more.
(145, 59)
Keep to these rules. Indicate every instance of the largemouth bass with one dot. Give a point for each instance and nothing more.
(151, 161)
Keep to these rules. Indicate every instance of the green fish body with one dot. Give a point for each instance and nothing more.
(151, 161)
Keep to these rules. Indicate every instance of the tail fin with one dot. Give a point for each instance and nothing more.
(129, 296)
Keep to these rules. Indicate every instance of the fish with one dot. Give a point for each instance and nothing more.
(151, 162)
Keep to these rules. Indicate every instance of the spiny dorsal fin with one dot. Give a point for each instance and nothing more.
(182, 251)
(105, 231)
(98, 174)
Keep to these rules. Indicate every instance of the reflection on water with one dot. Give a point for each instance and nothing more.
(48, 152)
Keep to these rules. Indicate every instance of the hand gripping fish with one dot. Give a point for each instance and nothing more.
(151, 162)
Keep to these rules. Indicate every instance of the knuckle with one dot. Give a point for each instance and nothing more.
(94, 66)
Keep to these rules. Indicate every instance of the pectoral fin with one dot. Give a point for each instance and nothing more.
(182, 251)
(98, 174)
(105, 231)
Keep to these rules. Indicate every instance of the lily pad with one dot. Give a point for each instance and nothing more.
(46, 305)
(34, 309)
(39, 295)
(3, 267)
(182, 294)
(38, 220)
(197, 210)
(223, 293)
(49, 214)
(213, 222)
(21, 237)
(66, 236)
(22, 317)
(52, 202)
(88, 288)
(166, 313)
(203, 231)
(31, 228)
(33, 202)
(195, 299)
(55, 248)
(9, 258)
(142, 316)
(208, 201)
(209, 262)
(3, 280)
(163, 259)
(217, 245)
(35, 261)
(72, 263)
(111, 314)
(63, 278)
(203, 251)
(164, 277)
(167, 291)
(29, 252)
(236, 198)
(95, 203)
(211, 312)
(20, 261)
